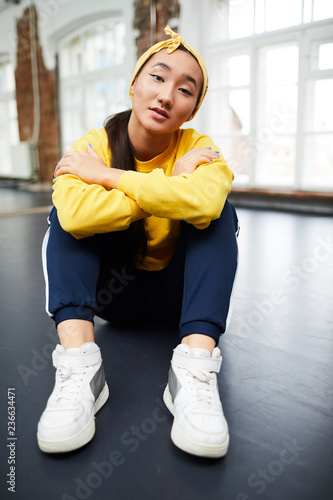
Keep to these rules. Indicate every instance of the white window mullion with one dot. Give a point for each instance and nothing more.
(301, 112)
(254, 93)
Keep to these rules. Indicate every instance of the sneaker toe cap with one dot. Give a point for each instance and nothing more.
(55, 424)
(205, 428)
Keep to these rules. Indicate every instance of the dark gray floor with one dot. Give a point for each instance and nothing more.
(20, 199)
(275, 382)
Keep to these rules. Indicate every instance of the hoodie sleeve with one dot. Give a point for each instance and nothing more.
(197, 198)
(86, 209)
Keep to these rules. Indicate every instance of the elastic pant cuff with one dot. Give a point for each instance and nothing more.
(202, 327)
(74, 312)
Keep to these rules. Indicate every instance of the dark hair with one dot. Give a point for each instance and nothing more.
(122, 157)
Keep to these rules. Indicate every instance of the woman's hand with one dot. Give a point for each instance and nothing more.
(89, 167)
(192, 159)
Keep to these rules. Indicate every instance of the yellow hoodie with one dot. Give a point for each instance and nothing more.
(198, 198)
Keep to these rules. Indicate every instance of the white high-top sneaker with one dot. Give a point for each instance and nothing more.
(80, 390)
(192, 397)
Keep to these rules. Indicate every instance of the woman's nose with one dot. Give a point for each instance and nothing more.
(165, 97)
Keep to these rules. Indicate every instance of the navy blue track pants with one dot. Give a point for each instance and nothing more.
(90, 276)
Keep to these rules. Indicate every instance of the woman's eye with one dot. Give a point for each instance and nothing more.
(185, 91)
(157, 77)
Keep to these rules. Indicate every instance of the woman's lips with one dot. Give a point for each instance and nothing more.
(160, 112)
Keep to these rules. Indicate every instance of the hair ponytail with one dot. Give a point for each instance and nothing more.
(122, 157)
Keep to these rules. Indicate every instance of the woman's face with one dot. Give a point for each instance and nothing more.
(166, 90)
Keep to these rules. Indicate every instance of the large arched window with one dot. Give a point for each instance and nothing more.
(93, 78)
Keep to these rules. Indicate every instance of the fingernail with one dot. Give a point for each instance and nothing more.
(210, 159)
(218, 152)
(90, 145)
(208, 148)
(54, 177)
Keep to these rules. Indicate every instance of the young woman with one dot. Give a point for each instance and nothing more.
(141, 232)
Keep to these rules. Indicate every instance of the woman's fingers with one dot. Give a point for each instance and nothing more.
(90, 150)
(67, 161)
(202, 153)
(193, 159)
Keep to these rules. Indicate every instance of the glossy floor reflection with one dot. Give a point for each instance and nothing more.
(275, 382)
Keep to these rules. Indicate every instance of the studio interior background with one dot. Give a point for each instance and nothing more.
(65, 66)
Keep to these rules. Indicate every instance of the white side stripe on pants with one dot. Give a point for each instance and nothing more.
(46, 278)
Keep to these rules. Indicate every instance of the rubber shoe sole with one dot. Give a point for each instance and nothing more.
(82, 437)
(187, 444)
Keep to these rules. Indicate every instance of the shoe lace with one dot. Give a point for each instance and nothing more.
(203, 390)
(69, 384)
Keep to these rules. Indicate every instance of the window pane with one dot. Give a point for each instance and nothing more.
(230, 112)
(7, 78)
(67, 128)
(260, 16)
(99, 48)
(218, 18)
(323, 9)
(12, 109)
(276, 162)
(8, 134)
(323, 105)
(72, 96)
(326, 56)
(14, 131)
(110, 47)
(10, 77)
(96, 108)
(307, 11)
(219, 115)
(283, 13)
(281, 109)
(241, 15)
(4, 160)
(91, 55)
(238, 154)
(64, 63)
(76, 125)
(239, 70)
(282, 65)
(120, 31)
(275, 140)
(239, 105)
(72, 54)
(116, 96)
(230, 72)
(218, 73)
(2, 77)
(318, 160)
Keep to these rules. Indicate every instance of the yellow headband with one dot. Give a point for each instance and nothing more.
(171, 45)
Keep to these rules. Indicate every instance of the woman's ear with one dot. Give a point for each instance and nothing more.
(133, 86)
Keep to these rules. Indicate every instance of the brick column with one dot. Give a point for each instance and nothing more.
(48, 137)
(165, 10)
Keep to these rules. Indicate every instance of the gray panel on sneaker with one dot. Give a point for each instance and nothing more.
(174, 384)
(97, 382)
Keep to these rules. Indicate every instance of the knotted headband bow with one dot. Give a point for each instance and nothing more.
(171, 45)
